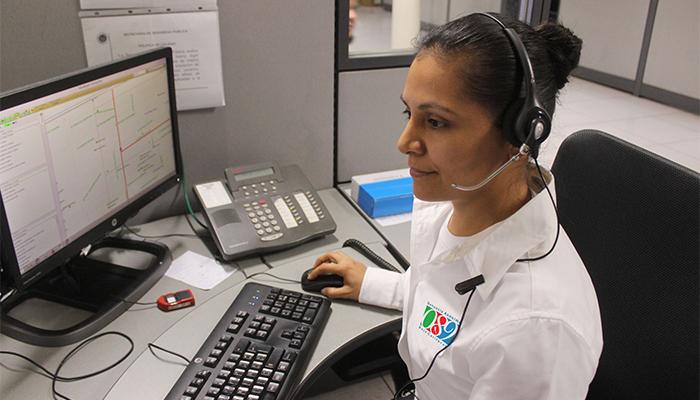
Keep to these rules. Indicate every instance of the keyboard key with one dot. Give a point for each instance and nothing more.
(274, 358)
(273, 387)
(241, 346)
(278, 376)
(289, 356)
(257, 389)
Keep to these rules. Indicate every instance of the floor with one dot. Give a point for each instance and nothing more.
(661, 129)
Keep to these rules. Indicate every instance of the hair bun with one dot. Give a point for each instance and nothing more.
(564, 49)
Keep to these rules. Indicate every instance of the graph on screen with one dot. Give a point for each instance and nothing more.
(81, 154)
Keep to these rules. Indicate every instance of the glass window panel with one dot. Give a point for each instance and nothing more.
(385, 27)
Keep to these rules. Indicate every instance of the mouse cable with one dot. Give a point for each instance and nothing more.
(274, 276)
(56, 377)
(220, 260)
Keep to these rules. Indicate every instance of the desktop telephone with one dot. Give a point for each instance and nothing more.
(264, 208)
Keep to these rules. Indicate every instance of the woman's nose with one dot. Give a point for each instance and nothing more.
(408, 142)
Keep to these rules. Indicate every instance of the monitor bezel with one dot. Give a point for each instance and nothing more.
(11, 269)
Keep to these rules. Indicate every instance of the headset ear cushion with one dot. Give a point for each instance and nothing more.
(511, 131)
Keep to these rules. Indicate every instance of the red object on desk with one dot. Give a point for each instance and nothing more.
(177, 300)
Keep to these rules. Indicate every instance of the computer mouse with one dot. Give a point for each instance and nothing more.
(320, 282)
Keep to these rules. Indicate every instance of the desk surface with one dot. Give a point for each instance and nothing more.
(144, 376)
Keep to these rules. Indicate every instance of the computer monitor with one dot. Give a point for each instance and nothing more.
(79, 155)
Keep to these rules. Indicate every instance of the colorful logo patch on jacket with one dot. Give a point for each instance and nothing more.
(438, 324)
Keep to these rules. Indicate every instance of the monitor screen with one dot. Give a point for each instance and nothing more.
(81, 153)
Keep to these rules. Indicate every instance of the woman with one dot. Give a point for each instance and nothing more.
(532, 329)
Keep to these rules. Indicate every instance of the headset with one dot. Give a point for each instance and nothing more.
(525, 121)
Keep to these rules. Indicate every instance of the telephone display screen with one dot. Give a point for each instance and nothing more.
(253, 174)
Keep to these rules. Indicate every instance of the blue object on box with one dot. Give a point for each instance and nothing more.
(390, 197)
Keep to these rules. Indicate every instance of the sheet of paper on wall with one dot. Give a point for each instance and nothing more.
(192, 33)
(114, 4)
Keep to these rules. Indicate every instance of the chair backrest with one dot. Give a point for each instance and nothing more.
(633, 217)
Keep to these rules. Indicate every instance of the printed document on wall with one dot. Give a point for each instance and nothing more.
(113, 4)
(193, 36)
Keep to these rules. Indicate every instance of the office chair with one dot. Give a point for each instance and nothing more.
(633, 218)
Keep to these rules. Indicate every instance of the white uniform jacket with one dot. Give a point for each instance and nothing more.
(532, 329)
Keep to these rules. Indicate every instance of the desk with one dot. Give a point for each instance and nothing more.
(143, 376)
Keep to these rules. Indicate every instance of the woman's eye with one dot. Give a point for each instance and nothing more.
(435, 123)
(407, 113)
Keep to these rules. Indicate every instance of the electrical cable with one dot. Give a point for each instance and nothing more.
(187, 199)
(150, 303)
(152, 346)
(401, 392)
(556, 212)
(56, 377)
(270, 266)
(186, 235)
(262, 258)
(274, 276)
(367, 252)
(413, 381)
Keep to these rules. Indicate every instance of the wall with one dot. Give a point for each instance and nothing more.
(278, 80)
(675, 43)
(370, 113)
(612, 33)
(646, 47)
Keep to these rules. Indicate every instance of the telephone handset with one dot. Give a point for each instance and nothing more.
(265, 208)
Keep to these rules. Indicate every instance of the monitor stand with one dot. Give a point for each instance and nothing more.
(99, 287)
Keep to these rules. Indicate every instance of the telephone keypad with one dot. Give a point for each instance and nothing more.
(262, 218)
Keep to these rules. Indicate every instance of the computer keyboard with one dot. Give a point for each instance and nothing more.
(258, 349)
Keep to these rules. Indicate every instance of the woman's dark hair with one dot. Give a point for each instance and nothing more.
(488, 66)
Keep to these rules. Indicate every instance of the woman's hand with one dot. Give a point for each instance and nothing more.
(337, 262)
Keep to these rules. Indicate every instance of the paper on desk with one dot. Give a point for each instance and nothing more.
(198, 271)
